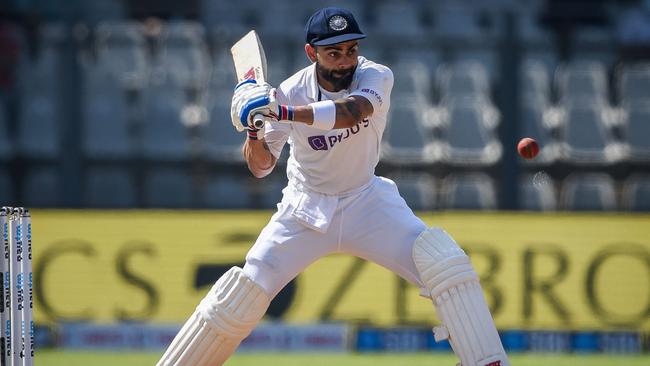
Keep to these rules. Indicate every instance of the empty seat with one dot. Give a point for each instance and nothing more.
(40, 114)
(109, 187)
(427, 57)
(418, 190)
(40, 72)
(586, 138)
(164, 134)
(41, 187)
(411, 80)
(534, 123)
(39, 126)
(406, 141)
(219, 139)
(167, 188)
(468, 136)
(582, 81)
(467, 79)
(184, 54)
(588, 192)
(535, 83)
(105, 118)
(121, 49)
(480, 54)
(537, 193)
(634, 83)
(636, 193)
(637, 132)
(468, 191)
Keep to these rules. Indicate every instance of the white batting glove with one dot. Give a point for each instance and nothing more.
(250, 99)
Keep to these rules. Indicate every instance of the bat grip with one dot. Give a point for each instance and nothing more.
(258, 120)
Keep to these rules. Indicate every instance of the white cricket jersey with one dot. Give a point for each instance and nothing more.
(338, 161)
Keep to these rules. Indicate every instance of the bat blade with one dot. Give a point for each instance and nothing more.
(249, 58)
(250, 63)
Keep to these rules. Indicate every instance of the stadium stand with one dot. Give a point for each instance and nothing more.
(419, 190)
(109, 187)
(6, 186)
(6, 145)
(468, 191)
(637, 132)
(158, 91)
(167, 188)
(586, 137)
(633, 81)
(537, 193)
(636, 193)
(164, 135)
(408, 143)
(588, 192)
(105, 114)
(468, 136)
(42, 187)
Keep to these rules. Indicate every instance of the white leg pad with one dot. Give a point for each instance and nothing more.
(456, 292)
(227, 315)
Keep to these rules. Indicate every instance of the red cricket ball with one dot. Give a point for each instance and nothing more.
(527, 148)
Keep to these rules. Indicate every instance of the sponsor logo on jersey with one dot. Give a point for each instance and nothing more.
(374, 94)
(326, 142)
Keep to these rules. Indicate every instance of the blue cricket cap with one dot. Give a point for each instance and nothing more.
(332, 25)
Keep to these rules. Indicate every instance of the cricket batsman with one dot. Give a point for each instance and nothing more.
(333, 114)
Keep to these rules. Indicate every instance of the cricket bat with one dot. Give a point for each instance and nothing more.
(250, 63)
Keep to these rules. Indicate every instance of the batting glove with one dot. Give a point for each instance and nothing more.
(249, 99)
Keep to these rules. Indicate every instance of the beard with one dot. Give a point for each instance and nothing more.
(340, 79)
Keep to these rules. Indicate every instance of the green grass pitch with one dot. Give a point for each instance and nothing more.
(59, 358)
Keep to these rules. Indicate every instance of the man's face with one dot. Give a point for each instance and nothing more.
(336, 63)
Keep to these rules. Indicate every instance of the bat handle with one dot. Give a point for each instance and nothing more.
(258, 120)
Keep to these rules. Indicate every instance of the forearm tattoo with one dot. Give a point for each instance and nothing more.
(352, 109)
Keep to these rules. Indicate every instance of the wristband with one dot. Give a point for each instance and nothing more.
(286, 112)
(252, 134)
(324, 114)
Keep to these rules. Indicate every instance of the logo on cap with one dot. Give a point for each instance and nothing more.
(338, 23)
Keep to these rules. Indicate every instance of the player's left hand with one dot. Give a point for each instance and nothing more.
(249, 99)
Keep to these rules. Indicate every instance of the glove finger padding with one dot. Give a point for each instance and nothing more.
(250, 99)
(238, 98)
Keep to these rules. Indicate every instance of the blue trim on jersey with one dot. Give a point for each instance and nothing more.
(251, 105)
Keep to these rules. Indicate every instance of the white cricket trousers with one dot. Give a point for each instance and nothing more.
(374, 224)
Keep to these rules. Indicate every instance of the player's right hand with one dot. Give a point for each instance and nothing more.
(249, 99)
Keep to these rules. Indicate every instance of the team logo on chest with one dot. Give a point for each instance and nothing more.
(322, 142)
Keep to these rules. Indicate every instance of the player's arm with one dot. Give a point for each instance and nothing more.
(258, 156)
(374, 87)
(347, 112)
(246, 102)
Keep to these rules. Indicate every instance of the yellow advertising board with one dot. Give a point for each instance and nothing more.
(539, 271)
